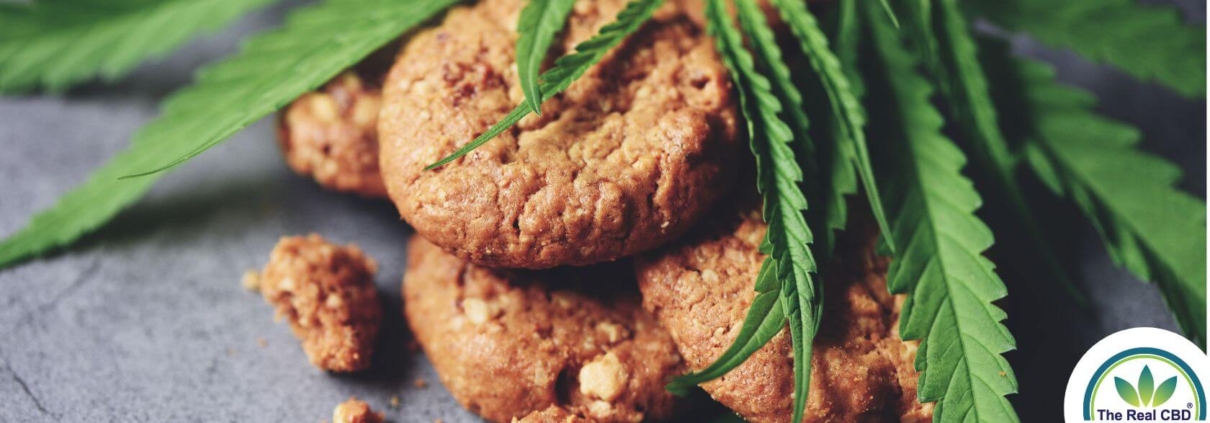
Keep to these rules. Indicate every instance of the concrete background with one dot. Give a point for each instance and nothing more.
(145, 321)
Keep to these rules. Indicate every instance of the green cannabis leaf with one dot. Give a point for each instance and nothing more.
(1146, 385)
(778, 176)
(1148, 41)
(940, 263)
(1146, 395)
(764, 320)
(846, 106)
(1149, 227)
(314, 45)
(536, 28)
(964, 86)
(766, 316)
(57, 43)
(890, 13)
(1164, 392)
(568, 69)
(1126, 392)
(836, 163)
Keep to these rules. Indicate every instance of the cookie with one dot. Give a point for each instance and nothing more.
(355, 411)
(628, 158)
(552, 415)
(861, 370)
(326, 292)
(510, 343)
(331, 135)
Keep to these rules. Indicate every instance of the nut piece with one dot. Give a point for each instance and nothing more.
(355, 411)
(332, 136)
(603, 378)
(553, 414)
(327, 294)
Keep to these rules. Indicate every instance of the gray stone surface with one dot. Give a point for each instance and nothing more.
(145, 321)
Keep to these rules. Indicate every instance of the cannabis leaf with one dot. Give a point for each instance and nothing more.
(56, 43)
(539, 22)
(1164, 392)
(568, 69)
(965, 89)
(1126, 392)
(1146, 395)
(765, 318)
(1149, 227)
(940, 263)
(846, 107)
(314, 45)
(778, 175)
(1148, 41)
(1146, 385)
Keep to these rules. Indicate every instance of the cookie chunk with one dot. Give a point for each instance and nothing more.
(861, 370)
(331, 134)
(552, 415)
(355, 411)
(327, 294)
(629, 157)
(509, 343)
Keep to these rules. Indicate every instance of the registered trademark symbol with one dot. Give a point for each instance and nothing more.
(1189, 405)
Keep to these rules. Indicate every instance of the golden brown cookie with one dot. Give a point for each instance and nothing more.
(510, 343)
(327, 294)
(553, 414)
(626, 159)
(331, 134)
(861, 370)
(355, 411)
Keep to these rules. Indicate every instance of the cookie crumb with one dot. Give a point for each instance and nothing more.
(395, 401)
(420, 383)
(251, 280)
(355, 411)
(326, 292)
(331, 135)
(261, 342)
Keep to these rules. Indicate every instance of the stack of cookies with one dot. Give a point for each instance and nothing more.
(569, 268)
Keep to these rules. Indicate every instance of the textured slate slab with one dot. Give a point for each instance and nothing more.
(145, 321)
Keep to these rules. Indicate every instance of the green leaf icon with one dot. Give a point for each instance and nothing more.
(1164, 392)
(1126, 391)
(1146, 386)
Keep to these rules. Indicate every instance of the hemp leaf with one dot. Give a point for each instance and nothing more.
(57, 43)
(846, 106)
(949, 45)
(315, 44)
(1148, 41)
(1146, 395)
(940, 265)
(1126, 391)
(788, 268)
(1149, 227)
(536, 28)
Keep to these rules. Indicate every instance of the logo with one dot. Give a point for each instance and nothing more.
(1139, 375)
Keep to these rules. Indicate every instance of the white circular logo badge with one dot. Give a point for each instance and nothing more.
(1139, 375)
